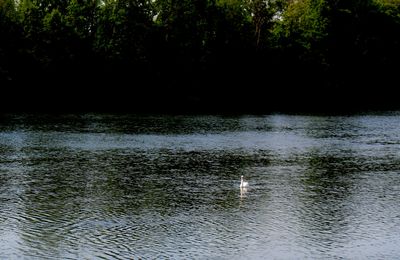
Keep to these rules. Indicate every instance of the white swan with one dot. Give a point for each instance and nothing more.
(243, 183)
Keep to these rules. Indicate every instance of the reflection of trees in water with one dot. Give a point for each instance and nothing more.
(342, 192)
(167, 179)
(329, 178)
(11, 176)
(66, 191)
(336, 127)
(52, 203)
(328, 184)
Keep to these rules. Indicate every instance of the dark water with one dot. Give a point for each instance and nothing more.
(122, 187)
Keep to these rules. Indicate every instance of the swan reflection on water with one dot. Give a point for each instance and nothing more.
(243, 192)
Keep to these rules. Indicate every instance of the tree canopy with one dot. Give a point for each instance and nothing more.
(201, 51)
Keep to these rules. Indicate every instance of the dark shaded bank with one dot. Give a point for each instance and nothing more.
(216, 96)
(227, 88)
(234, 85)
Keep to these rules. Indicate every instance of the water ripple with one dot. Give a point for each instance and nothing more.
(125, 186)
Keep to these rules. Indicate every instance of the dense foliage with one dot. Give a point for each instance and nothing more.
(253, 53)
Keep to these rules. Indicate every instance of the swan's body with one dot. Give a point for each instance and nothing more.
(243, 183)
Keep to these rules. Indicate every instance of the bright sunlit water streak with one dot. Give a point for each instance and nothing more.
(123, 186)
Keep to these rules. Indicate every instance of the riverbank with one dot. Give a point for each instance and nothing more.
(125, 98)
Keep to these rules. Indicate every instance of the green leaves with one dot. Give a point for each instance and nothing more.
(122, 28)
(53, 22)
(304, 22)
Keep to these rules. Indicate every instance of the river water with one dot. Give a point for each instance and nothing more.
(101, 186)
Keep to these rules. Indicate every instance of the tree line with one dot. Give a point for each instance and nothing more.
(231, 52)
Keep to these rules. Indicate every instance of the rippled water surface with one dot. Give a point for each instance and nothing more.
(100, 186)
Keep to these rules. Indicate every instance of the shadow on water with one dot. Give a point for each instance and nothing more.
(125, 123)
